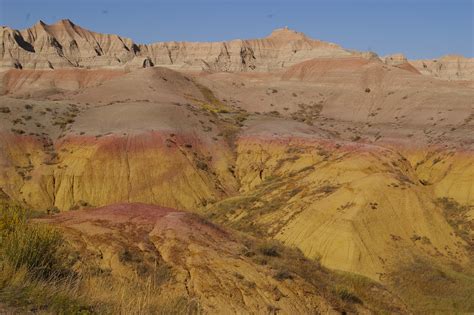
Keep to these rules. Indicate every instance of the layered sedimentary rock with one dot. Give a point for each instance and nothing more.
(281, 49)
(65, 44)
(399, 61)
(150, 145)
(34, 83)
(62, 45)
(358, 207)
(450, 67)
(152, 168)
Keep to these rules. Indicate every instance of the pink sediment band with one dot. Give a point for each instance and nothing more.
(134, 142)
(19, 139)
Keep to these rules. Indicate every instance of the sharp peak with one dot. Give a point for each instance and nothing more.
(40, 23)
(65, 22)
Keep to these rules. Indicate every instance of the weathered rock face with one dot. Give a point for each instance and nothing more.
(65, 44)
(449, 67)
(281, 49)
(349, 205)
(399, 61)
(395, 59)
(62, 45)
(352, 205)
(154, 146)
(151, 168)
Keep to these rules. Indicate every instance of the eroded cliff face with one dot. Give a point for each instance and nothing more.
(450, 67)
(359, 208)
(151, 168)
(67, 45)
(281, 49)
(64, 44)
(159, 144)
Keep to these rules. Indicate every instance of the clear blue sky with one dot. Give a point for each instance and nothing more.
(417, 28)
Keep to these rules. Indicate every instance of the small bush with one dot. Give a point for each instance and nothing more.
(348, 296)
(327, 189)
(18, 131)
(53, 210)
(202, 165)
(283, 275)
(271, 250)
(125, 256)
(4, 110)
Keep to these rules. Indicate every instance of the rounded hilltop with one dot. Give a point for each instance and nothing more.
(285, 33)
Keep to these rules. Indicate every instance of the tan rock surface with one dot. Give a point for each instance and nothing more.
(450, 67)
(65, 44)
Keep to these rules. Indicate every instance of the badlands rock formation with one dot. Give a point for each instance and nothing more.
(361, 163)
(451, 67)
(65, 44)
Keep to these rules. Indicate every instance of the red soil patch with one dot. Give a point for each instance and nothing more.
(116, 213)
(408, 67)
(145, 216)
(320, 66)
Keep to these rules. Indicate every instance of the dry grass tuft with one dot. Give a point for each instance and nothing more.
(37, 274)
